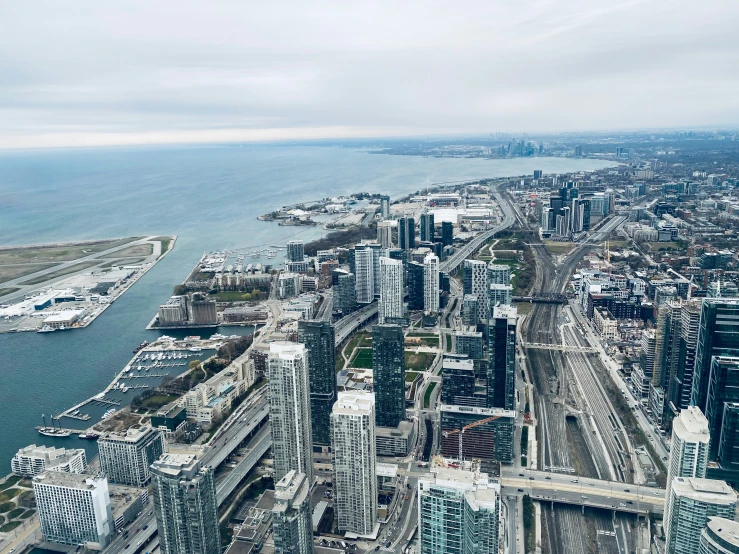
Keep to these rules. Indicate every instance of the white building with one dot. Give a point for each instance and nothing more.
(289, 409)
(720, 536)
(74, 509)
(364, 275)
(32, 460)
(499, 295)
(689, 449)
(391, 289)
(475, 281)
(125, 457)
(689, 504)
(431, 283)
(354, 459)
(291, 515)
(385, 233)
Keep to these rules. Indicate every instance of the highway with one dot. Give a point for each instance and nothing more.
(347, 325)
(582, 491)
(258, 447)
(464, 252)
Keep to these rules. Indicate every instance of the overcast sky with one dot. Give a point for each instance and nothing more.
(80, 72)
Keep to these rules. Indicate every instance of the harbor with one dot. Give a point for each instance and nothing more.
(151, 365)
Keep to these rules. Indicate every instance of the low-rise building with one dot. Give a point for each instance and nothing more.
(395, 441)
(32, 460)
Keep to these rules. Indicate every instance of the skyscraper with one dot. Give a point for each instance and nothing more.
(728, 450)
(320, 347)
(125, 457)
(185, 505)
(723, 388)
(406, 233)
(431, 283)
(415, 286)
(385, 206)
(391, 289)
(364, 275)
(354, 459)
(458, 511)
(73, 509)
(447, 233)
(295, 251)
(388, 363)
(344, 288)
(385, 234)
(689, 451)
(690, 503)
(289, 409)
(499, 274)
(502, 365)
(291, 515)
(681, 380)
(475, 281)
(718, 336)
(427, 227)
(719, 536)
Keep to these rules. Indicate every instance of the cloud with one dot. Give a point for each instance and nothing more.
(90, 72)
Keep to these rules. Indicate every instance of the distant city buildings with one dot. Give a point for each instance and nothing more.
(406, 233)
(185, 505)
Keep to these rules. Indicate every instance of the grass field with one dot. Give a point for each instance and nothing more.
(556, 248)
(157, 401)
(227, 296)
(362, 358)
(61, 272)
(410, 376)
(418, 361)
(427, 395)
(8, 290)
(14, 271)
(58, 253)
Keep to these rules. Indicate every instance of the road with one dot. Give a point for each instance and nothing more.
(582, 491)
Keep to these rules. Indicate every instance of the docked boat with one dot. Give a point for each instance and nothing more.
(89, 436)
(195, 349)
(52, 431)
(140, 347)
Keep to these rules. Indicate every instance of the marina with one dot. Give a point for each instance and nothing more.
(167, 357)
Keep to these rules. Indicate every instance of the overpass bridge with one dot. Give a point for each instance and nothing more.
(560, 347)
(258, 447)
(582, 491)
(347, 325)
(237, 433)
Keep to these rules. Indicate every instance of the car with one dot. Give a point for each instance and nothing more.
(146, 526)
(548, 477)
(520, 474)
(591, 484)
(629, 502)
(531, 478)
(574, 480)
(520, 490)
(584, 496)
(627, 490)
(656, 494)
(129, 544)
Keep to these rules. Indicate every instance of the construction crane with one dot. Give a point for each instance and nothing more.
(461, 431)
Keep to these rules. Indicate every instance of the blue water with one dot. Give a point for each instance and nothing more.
(207, 195)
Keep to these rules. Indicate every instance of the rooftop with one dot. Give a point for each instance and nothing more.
(691, 425)
(725, 529)
(704, 490)
(70, 480)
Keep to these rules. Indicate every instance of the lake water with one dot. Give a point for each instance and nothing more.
(210, 197)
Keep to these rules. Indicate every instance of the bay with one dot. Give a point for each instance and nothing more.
(210, 197)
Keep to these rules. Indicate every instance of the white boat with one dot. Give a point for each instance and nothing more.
(195, 349)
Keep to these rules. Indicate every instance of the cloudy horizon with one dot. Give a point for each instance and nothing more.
(88, 73)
